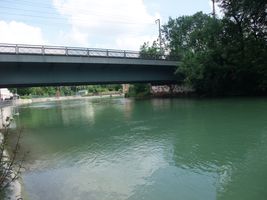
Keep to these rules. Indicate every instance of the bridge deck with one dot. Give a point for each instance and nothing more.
(75, 51)
(29, 65)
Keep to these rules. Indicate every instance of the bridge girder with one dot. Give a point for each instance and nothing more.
(43, 70)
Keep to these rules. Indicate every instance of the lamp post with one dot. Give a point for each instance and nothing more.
(213, 8)
(160, 37)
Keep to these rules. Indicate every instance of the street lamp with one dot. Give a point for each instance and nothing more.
(160, 38)
(213, 8)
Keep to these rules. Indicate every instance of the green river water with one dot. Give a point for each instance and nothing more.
(157, 149)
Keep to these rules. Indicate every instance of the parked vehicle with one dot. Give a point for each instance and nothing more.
(82, 93)
(5, 94)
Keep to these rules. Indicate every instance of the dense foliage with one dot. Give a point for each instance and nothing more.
(139, 90)
(150, 52)
(221, 56)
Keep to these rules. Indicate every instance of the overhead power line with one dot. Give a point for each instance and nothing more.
(81, 10)
(56, 12)
(74, 19)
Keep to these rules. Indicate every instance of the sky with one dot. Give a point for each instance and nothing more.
(113, 24)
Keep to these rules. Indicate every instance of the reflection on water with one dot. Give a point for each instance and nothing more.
(150, 149)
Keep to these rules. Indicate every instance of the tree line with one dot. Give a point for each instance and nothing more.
(220, 56)
(64, 90)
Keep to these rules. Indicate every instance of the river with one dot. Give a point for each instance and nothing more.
(157, 149)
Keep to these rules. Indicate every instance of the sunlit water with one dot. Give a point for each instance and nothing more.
(160, 149)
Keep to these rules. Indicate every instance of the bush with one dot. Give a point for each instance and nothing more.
(138, 90)
(10, 165)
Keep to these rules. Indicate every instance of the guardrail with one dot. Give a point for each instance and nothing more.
(73, 51)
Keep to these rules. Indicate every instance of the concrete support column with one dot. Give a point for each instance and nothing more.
(125, 88)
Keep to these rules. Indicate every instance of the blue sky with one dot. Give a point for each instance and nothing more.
(117, 24)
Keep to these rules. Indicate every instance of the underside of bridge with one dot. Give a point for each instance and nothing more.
(30, 70)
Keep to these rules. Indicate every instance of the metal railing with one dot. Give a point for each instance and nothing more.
(72, 51)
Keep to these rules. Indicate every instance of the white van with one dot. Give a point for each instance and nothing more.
(5, 94)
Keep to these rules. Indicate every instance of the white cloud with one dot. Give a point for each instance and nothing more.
(20, 33)
(132, 43)
(116, 24)
(74, 38)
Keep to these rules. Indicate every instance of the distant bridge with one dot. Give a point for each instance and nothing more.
(32, 65)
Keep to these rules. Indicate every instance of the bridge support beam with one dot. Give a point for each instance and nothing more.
(26, 70)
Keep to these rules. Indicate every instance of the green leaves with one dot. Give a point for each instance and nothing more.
(150, 52)
(189, 33)
(222, 56)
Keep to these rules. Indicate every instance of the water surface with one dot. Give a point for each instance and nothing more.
(160, 149)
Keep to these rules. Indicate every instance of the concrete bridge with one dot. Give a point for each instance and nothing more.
(32, 65)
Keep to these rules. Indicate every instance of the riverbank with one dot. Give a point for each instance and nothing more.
(141, 90)
(63, 98)
(13, 190)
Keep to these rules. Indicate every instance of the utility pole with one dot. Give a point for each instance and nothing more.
(160, 38)
(213, 8)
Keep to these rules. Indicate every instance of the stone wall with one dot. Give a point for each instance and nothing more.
(163, 90)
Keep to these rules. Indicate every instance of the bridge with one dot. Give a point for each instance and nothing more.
(35, 65)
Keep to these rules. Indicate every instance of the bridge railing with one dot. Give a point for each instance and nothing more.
(71, 51)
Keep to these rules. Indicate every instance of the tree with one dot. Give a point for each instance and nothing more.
(197, 41)
(189, 34)
(150, 52)
(245, 42)
(222, 56)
